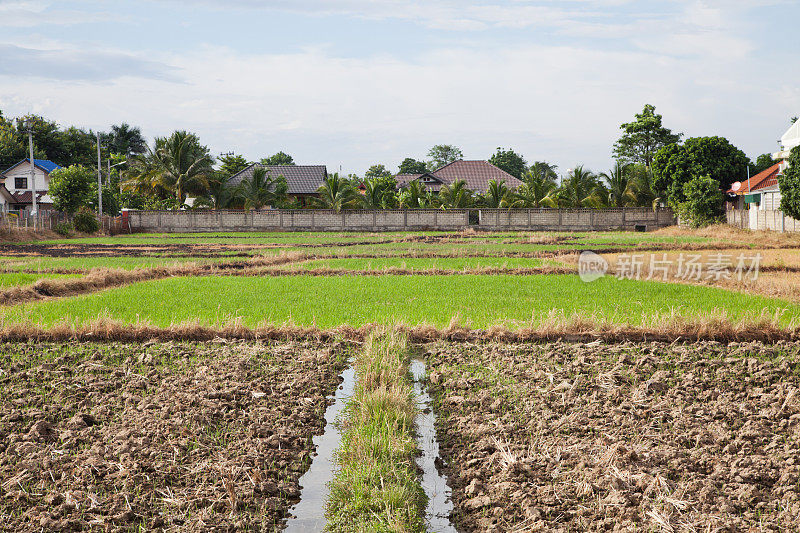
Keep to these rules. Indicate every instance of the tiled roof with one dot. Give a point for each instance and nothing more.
(301, 179)
(25, 197)
(762, 180)
(476, 174)
(44, 164)
(432, 183)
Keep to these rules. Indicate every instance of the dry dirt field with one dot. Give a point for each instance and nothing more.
(629, 437)
(158, 436)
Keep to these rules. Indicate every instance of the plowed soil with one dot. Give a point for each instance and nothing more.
(632, 437)
(158, 436)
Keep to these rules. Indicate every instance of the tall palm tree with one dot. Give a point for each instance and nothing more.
(498, 195)
(415, 195)
(124, 139)
(544, 171)
(581, 189)
(336, 193)
(456, 195)
(373, 195)
(642, 186)
(261, 190)
(183, 163)
(220, 193)
(619, 183)
(537, 190)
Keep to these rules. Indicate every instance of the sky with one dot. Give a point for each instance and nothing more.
(351, 83)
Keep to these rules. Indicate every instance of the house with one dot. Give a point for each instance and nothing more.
(5, 199)
(303, 180)
(16, 180)
(476, 175)
(761, 192)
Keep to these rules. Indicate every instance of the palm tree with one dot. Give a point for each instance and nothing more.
(619, 183)
(456, 195)
(373, 195)
(581, 189)
(123, 139)
(642, 186)
(537, 189)
(183, 164)
(336, 193)
(497, 195)
(220, 194)
(261, 190)
(414, 195)
(544, 171)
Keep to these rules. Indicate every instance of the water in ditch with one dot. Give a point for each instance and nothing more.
(437, 514)
(309, 513)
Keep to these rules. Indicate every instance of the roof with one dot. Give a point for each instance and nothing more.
(5, 193)
(25, 197)
(301, 179)
(476, 174)
(44, 164)
(431, 182)
(762, 180)
(791, 138)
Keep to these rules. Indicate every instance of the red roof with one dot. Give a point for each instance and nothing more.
(762, 180)
(25, 197)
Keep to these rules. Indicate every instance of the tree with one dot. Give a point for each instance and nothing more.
(415, 195)
(232, 164)
(675, 165)
(793, 120)
(261, 189)
(789, 184)
(497, 195)
(281, 158)
(384, 187)
(377, 171)
(183, 164)
(336, 193)
(412, 166)
(538, 186)
(510, 161)
(643, 138)
(443, 154)
(545, 170)
(456, 195)
(619, 182)
(703, 205)
(71, 188)
(581, 189)
(641, 185)
(220, 194)
(763, 162)
(126, 140)
(12, 147)
(76, 147)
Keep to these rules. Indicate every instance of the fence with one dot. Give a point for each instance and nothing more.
(543, 219)
(762, 219)
(18, 220)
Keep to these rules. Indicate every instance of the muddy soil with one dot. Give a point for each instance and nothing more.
(628, 437)
(158, 436)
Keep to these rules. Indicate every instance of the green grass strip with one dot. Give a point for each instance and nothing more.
(376, 488)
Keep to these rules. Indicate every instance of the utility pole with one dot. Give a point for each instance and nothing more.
(34, 211)
(99, 183)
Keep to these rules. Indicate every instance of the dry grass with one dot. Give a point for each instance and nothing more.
(579, 327)
(727, 233)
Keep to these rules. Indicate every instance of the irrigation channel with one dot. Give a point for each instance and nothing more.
(309, 514)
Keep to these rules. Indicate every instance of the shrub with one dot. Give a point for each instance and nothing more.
(703, 205)
(64, 229)
(789, 183)
(86, 222)
(71, 188)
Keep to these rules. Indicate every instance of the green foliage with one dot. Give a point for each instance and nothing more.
(281, 158)
(111, 199)
(581, 189)
(538, 187)
(509, 161)
(703, 205)
(620, 185)
(262, 190)
(232, 164)
(126, 140)
(412, 166)
(377, 171)
(789, 184)
(336, 193)
(763, 162)
(443, 154)
(416, 196)
(675, 165)
(64, 229)
(643, 137)
(380, 193)
(456, 195)
(498, 195)
(220, 194)
(546, 171)
(71, 188)
(85, 221)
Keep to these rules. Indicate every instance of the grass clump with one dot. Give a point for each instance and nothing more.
(376, 487)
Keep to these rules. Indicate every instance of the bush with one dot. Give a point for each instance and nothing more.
(703, 205)
(71, 188)
(64, 229)
(86, 222)
(789, 183)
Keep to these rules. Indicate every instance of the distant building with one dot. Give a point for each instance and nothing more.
(17, 181)
(476, 174)
(302, 180)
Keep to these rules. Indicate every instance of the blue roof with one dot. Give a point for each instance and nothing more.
(44, 164)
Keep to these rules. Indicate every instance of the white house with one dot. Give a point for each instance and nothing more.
(5, 199)
(17, 180)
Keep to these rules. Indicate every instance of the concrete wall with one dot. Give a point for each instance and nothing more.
(762, 219)
(397, 219)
